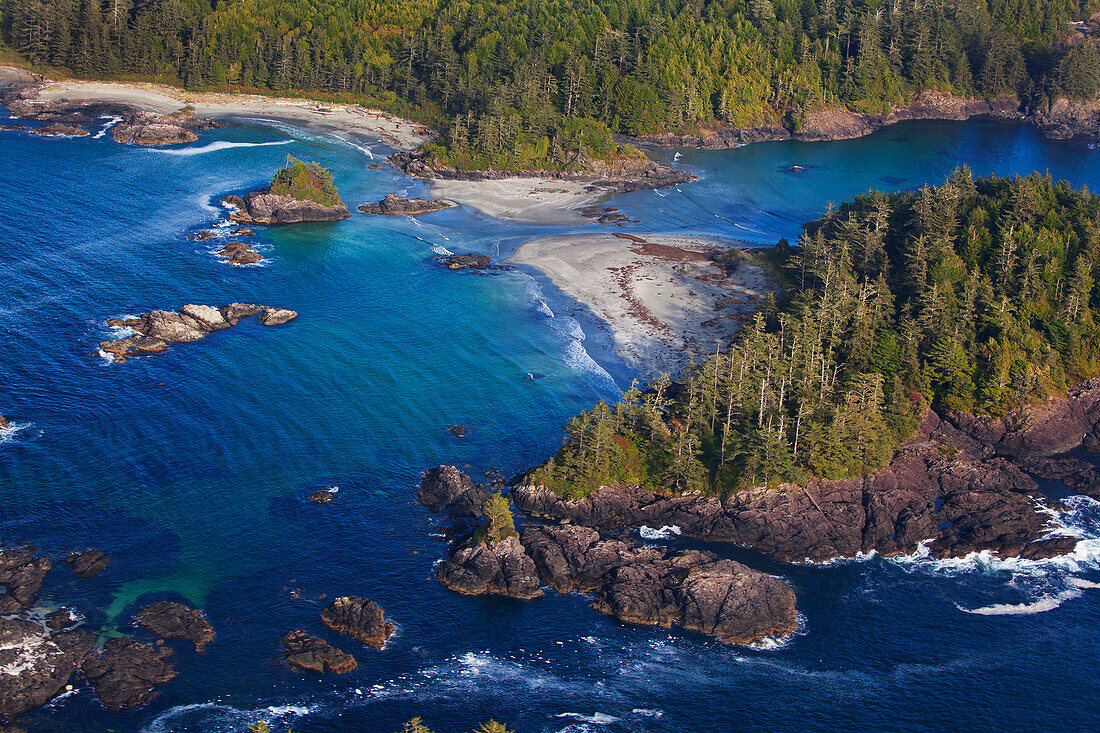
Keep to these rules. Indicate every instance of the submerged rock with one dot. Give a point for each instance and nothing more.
(499, 568)
(393, 204)
(88, 563)
(157, 330)
(64, 618)
(125, 673)
(445, 488)
(171, 620)
(22, 574)
(315, 655)
(359, 618)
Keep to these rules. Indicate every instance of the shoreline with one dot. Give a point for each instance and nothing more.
(663, 299)
(1065, 119)
(394, 131)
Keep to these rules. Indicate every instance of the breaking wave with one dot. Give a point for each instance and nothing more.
(112, 120)
(216, 146)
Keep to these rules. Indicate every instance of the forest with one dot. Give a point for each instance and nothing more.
(976, 296)
(529, 83)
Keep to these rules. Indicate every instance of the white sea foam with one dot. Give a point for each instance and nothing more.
(543, 308)
(675, 157)
(112, 120)
(596, 718)
(580, 361)
(361, 148)
(648, 712)
(12, 430)
(213, 716)
(441, 250)
(664, 533)
(214, 147)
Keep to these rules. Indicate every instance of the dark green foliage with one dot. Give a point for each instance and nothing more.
(974, 296)
(305, 182)
(536, 83)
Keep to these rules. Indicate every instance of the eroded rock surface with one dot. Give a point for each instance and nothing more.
(261, 207)
(150, 128)
(157, 330)
(446, 489)
(360, 618)
(171, 620)
(21, 572)
(311, 654)
(125, 673)
(499, 568)
(393, 204)
(35, 665)
(239, 253)
(659, 587)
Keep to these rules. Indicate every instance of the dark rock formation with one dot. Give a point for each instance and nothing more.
(4, 424)
(58, 129)
(931, 491)
(156, 330)
(359, 618)
(64, 618)
(22, 573)
(461, 262)
(658, 587)
(171, 620)
(261, 207)
(88, 563)
(445, 488)
(394, 204)
(500, 568)
(239, 253)
(459, 431)
(315, 655)
(35, 665)
(243, 232)
(125, 672)
(322, 497)
(202, 236)
(621, 175)
(150, 128)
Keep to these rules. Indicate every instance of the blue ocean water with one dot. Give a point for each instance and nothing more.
(193, 467)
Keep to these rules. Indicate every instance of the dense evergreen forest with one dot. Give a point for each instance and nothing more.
(514, 81)
(975, 296)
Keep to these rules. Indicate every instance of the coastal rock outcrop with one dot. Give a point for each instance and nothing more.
(125, 672)
(150, 128)
(35, 665)
(360, 618)
(461, 262)
(88, 563)
(310, 654)
(261, 207)
(58, 129)
(21, 573)
(499, 568)
(171, 620)
(445, 488)
(659, 587)
(930, 493)
(157, 330)
(393, 204)
(239, 253)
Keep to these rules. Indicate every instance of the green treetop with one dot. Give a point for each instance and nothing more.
(305, 182)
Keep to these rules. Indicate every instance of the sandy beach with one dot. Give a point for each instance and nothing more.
(530, 200)
(665, 298)
(394, 131)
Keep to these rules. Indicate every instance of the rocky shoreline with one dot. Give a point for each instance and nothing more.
(622, 176)
(393, 205)
(1064, 119)
(137, 126)
(265, 208)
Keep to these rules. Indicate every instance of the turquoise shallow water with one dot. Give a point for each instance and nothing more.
(192, 467)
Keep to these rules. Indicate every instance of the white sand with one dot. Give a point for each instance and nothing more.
(650, 294)
(394, 131)
(531, 200)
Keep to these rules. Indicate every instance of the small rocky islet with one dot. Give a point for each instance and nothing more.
(300, 192)
(393, 205)
(159, 329)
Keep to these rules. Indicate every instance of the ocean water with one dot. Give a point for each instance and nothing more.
(192, 468)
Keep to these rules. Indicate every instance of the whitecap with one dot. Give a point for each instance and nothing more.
(214, 147)
(226, 717)
(648, 712)
(112, 120)
(543, 308)
(676, 157)
(596, 718)
(580, 361)
(1041, 605)
(664, 533)
(441, 250)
